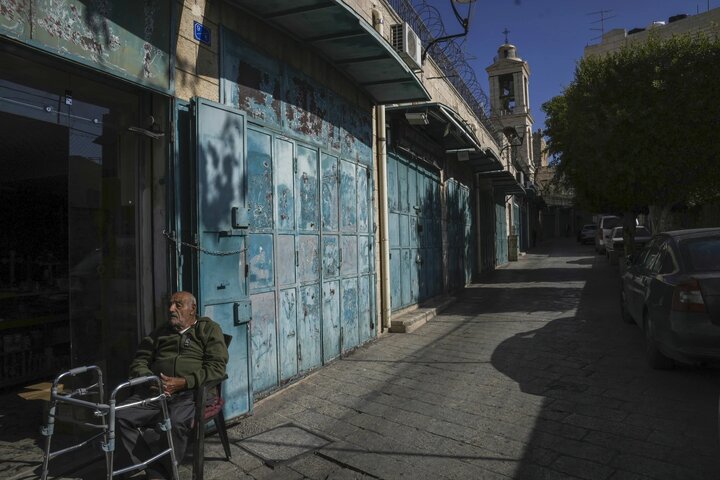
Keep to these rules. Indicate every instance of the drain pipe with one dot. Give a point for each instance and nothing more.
(385, 304)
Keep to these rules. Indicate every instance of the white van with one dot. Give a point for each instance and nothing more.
(606, 223)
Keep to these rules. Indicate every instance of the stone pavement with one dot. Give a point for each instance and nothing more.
(531, 374)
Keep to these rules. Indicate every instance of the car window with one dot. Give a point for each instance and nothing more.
(644, 252)
(659, 261)
(651, 256)
(667, 265)
(617, 232)
(610, 222)
(642, 232)
(701, 254)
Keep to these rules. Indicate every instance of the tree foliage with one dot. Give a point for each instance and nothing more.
(641, 127)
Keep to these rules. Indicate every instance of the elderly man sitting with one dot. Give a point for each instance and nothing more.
(185, 353)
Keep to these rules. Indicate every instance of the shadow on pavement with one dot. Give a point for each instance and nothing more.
(603, 409)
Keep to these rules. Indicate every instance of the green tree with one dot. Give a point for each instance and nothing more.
(641, 128)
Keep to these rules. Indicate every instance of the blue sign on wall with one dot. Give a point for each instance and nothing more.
(201, 33)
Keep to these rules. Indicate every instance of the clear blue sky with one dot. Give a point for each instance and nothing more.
(551, 34)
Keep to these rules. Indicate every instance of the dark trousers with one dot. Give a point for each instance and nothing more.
(134, 446)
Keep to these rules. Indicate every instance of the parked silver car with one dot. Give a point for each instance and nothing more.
(672, 291)
(587, 233)
(616, 243)
(605, 226)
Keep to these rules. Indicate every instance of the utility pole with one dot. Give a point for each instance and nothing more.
(603, 16)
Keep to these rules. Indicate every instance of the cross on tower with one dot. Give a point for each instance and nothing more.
(506, 31)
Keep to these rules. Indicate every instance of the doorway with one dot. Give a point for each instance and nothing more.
(69, 172)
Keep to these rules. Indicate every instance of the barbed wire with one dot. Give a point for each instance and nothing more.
(427, 23)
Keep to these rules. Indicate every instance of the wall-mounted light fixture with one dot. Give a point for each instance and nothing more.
(514, 137)
(417, 118)
(464, 23)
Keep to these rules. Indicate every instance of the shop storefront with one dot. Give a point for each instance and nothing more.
(75, 172)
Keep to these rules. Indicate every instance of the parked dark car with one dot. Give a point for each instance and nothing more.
(671, 289)
(587, 233)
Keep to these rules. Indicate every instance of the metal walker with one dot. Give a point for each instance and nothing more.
(106, 413)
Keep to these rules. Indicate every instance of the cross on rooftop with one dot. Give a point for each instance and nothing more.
(506, 31)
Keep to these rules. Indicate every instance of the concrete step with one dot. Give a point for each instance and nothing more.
(409, 320)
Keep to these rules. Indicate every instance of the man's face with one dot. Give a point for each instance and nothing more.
(182, 311)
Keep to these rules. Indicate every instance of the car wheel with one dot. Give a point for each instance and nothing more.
(655, 358)
(626, 317)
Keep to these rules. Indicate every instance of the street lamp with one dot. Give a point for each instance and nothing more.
(515, 139)
(464, 23)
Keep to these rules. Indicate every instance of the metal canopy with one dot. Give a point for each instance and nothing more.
(346, 40)
(440, 123)
(503, 181)
(447, 128)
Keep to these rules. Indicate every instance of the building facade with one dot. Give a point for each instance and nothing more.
(702, 23)
(510, 105)
(284, 162)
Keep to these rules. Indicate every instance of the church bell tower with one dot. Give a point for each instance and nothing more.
(509, 100)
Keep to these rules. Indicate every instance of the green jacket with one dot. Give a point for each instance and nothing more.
(199, 355)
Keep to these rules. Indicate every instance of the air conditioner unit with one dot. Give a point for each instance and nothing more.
(406, 42)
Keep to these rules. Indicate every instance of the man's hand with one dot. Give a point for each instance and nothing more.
(172, 384)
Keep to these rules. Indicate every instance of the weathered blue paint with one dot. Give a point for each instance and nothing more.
(415, 237)
(237, 388)
(394, 227)
(264, 341)
(309, 328)
(277, 94)
(349, 257)
(260, 259)
(331, 256)
(308, 260)
(460, 238)
(402, 186)
(395, 281)
(221, 283)
(392, 181)
(365, 308)
(129, 39)
(348, 197)
(415, 271)
(260, 180)
(320, 210)
(406, 264)
(285, 259)
(349, 309)
(363, 200)
(331, 319)
(306, 195)
(288, 339)
(365, 254)
(330, 181)
(284, 184)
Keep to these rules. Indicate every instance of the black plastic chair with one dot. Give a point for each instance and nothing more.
(209, 407)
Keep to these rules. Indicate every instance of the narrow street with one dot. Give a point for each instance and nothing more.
(531, 374)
